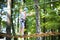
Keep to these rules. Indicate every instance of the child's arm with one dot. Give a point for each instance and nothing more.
(25, 14)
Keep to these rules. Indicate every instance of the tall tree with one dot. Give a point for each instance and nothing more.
(38, 29)
(8, 28)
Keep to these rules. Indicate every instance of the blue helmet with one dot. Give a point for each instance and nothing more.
(26, 9)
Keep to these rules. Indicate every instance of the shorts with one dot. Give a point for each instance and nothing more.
(22, 23)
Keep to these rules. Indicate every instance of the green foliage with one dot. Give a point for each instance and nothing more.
(52, 17)
(31, 24)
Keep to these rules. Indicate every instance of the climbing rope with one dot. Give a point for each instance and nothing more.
(32, 35)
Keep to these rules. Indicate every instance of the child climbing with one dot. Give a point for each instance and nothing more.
(22, 20)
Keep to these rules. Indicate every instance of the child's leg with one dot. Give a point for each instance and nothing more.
(22, 28)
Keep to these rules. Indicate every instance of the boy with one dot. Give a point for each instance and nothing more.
(22, 20)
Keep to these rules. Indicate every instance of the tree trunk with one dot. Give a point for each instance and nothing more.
(8, 28)
(12, 1)
(38, 29)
